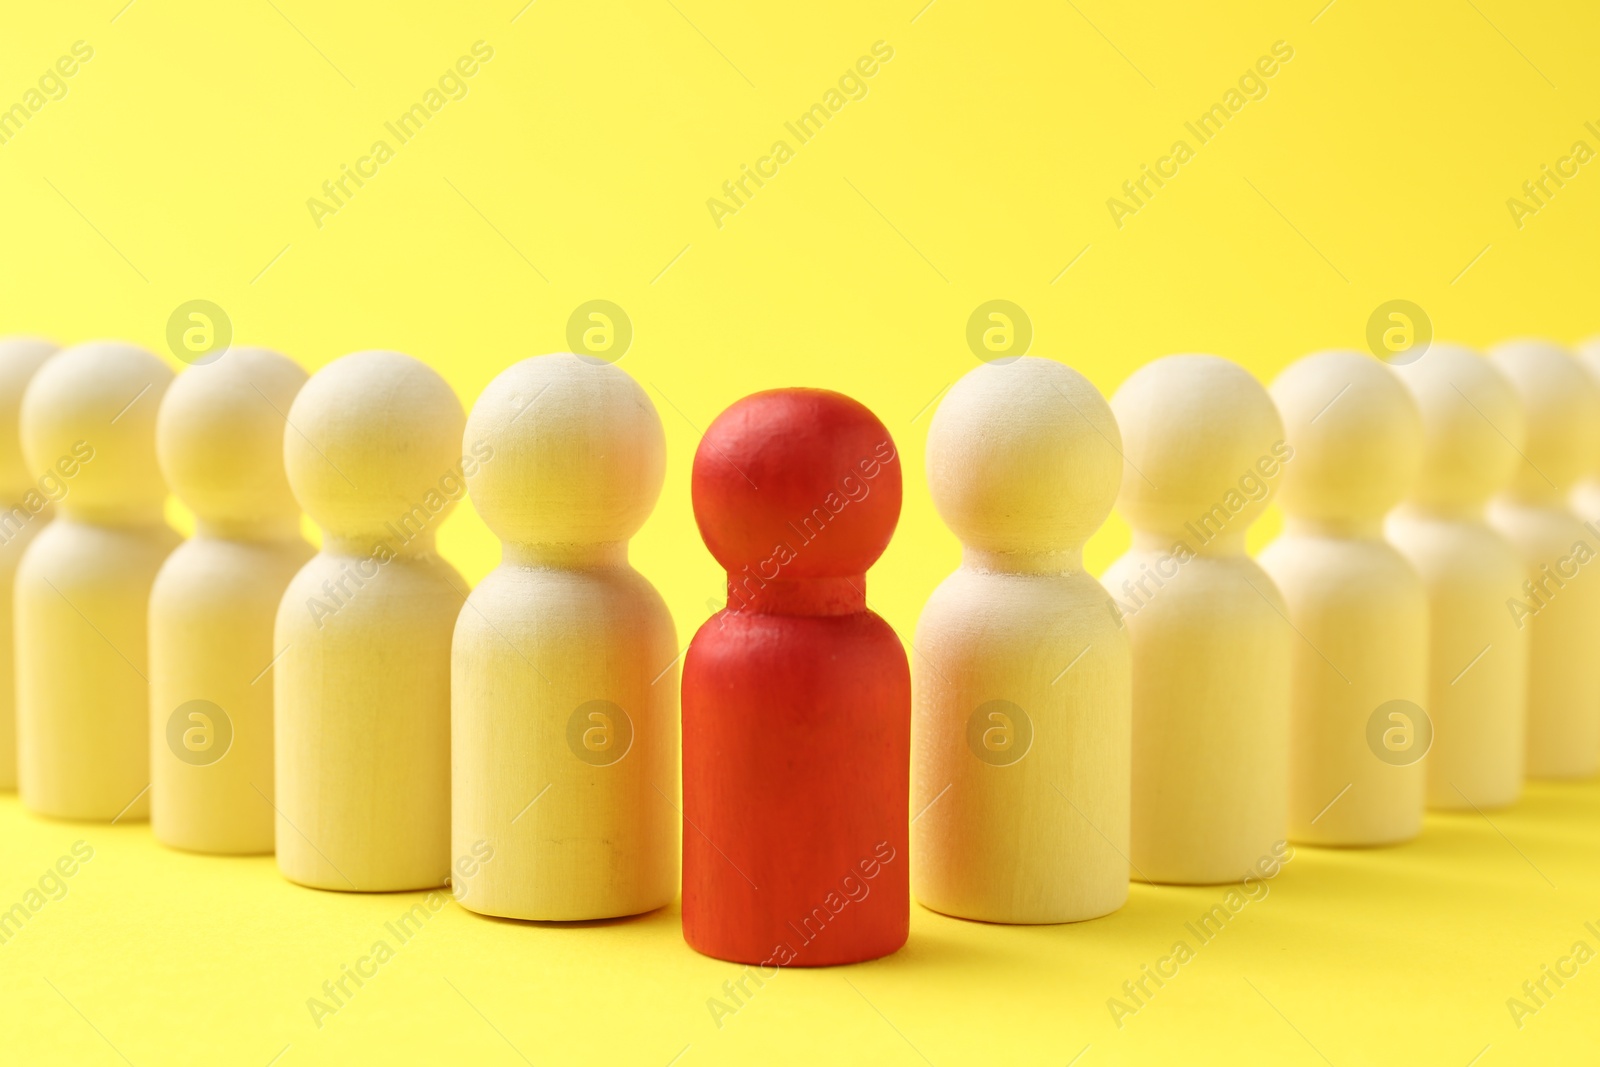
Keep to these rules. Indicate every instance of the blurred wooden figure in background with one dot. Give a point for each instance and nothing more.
(1559, 601)
(25, 507)
(219, 437)
(1477, 655)
(1358, 669)
(83, 586)
(1203, 449)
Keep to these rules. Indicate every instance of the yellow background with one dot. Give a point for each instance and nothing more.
(978, 166)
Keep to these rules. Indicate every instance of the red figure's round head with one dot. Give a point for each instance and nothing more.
(797, 484)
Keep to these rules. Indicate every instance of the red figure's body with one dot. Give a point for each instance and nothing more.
(796, 698)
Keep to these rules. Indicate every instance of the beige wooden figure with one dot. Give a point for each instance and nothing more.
(1586, 497)
(1358, 666)
(1559, 602)
(83, 586)
(219, 437)
(1204, 450)
(564, 740)
(362, 695)
(1477, 657)
(1021, 686)
(25, 506)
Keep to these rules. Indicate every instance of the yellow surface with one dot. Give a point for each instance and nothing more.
(178, 164)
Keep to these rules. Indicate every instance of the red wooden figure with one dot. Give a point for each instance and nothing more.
(796, 698)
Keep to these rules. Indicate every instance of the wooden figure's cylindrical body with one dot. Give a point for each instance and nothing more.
(1477, 655)
(1358, 671)
(565, 712)
(1203, 450)
(25, 507)
(83, 586)
(796, 697)
(1585, 497)
(212, 609)
(1558, 604)
(362, 696)
(1022, 713)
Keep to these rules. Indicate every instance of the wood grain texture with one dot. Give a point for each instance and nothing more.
(362, 697)
(1022, 702)
(1359, 609)
(565, 711)
(83, 586)
(1559, 605)
(25, 508)
(796, 697)
(219, 437)
(1477, 655)
(1203, 451)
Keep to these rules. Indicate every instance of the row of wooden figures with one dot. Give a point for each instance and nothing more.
(1421, 634)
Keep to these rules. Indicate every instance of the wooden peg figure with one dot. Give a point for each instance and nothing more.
(1558, 605)
(362, 698)
(1586, 496)
(796, 697)
(1203, 450)
(1477, 656)
(25, 507)
(83, 585)
(1022, 686)
(565, 718)
(1358, 731)
(219, 437)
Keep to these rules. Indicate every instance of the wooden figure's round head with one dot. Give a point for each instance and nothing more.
(1203, 447)
(1472, 427)
(1024, 457)
(20, 359)
(373, 447)
(797, 483)
(89, 425)
(566, 450)
(219, 437)
(1561, 405)
(1356, 435)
